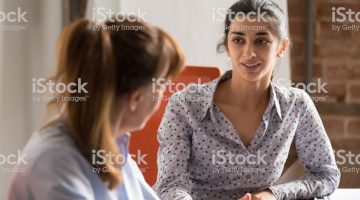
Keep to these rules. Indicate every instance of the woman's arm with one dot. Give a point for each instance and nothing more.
(315, 153)
(174, 138)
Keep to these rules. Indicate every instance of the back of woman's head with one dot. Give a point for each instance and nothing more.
(111, 59)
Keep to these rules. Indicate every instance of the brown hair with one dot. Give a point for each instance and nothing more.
(113, 62)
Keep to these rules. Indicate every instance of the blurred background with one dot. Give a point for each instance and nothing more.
(318, 52)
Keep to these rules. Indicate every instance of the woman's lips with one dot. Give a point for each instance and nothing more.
(251, 67)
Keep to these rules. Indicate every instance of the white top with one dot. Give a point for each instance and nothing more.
(56, 170)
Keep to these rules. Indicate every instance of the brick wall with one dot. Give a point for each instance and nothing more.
(336, 60)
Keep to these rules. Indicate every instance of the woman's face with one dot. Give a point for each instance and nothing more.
(253, 52)
(148, 105)
(138, 107)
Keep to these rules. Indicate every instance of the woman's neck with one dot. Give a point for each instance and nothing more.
(245, 94)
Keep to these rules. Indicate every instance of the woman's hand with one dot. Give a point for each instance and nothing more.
(264, 195)
(247, 196)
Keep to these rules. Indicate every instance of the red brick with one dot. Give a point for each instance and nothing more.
(354, 71)
(355, 35)
(324, 9)
(297, 29)
(336, 91)
(336, 49)
(354, 127)
(298, 67)
(354, 93)
(317, 69)
(336, 72)
(297, 9)
(297, 49)
(334, 126)
(324, 31)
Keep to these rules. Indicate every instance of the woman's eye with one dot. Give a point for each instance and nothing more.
(262, 41)
(238, 41)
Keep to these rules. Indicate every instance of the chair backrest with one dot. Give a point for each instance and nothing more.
(144, 144)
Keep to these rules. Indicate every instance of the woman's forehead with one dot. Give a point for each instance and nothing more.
(244, 29)
(239, 24)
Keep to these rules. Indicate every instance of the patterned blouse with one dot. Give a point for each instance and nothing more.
(201, 156)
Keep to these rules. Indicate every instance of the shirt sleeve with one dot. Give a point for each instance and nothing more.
(316, 155)
(174, 137)
(147, 192)
(59, 175)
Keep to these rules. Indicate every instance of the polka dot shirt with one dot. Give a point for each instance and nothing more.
(201, 156)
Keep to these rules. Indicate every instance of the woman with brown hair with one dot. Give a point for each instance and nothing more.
(230, 138)
(82, 152)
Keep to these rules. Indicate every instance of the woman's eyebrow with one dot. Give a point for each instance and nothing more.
(237, 33)
(262, 33)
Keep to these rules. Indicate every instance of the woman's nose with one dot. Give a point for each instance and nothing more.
(249, 51)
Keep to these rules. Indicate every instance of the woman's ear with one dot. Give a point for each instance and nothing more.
(134, 99)
(282, 48)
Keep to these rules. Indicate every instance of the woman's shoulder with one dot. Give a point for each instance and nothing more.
(50, 143)
(50, 163)
(290, 93)
(52, 150)
(293, 98)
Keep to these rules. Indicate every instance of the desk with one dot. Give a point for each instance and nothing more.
(346, 194)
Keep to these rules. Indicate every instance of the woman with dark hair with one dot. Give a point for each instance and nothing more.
(231, 137)
(82, 152)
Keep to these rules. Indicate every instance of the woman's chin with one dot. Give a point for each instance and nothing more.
(251, 76)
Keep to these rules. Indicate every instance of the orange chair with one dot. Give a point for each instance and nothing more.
(144, 145)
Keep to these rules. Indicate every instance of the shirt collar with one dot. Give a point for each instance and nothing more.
(274, 98)
(209, 93)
